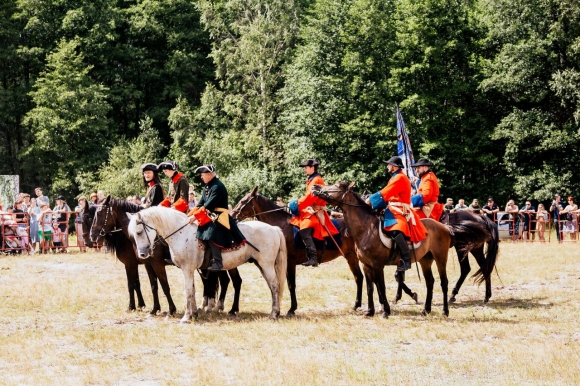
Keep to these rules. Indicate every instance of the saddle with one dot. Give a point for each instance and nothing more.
(388, 242)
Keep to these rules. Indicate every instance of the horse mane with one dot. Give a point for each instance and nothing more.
(271, 205)
(165, 217)
(360, 201)
(124, 205)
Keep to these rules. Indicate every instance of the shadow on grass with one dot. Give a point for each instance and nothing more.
(518, 303)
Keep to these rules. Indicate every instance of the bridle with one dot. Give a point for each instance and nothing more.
(325, 196)
(159, 238)
(253, 209)
(109, 213)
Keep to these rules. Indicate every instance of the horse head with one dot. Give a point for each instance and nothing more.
(143, 235)
(244, 207)
(87, 215)
(333, 194)
(103, 221)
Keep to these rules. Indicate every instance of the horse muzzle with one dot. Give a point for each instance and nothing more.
(144, 253)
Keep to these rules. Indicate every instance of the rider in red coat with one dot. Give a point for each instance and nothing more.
(425, 201)
(401, 223)
(310, 214)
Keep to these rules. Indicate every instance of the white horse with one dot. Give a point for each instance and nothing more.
(173, 227)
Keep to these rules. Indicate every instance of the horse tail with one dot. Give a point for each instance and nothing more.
(281, 265)
(484, 272)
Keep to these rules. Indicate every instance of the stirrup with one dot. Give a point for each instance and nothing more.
(310, 263)
(403, 266)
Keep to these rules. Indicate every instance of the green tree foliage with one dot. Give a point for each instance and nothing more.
(121, 175)
(235, 126)
(69, 121)
(536, 70)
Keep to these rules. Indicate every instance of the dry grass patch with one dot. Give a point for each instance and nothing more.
(63, 321)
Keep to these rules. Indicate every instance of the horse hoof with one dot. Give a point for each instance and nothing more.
(290, 314)
(397, 299)
(273, 315)
(452, 299)
(425, 312)
(369, 314)
(385, 315)
(415, 297)
(486, 300)
(130, 310)
(356, 306)
(184, 320)
(220, 306)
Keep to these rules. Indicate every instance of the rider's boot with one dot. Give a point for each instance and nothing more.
(310, 247)
(216, 253)
(405, 261)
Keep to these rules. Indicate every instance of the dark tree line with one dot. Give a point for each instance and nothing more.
(490, 91)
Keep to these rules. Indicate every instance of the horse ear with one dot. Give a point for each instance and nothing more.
(351, 184)
(130, 215)
(254, 191)
(107, 199)
(86, 208)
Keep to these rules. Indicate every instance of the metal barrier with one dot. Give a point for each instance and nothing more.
(52, 235)
(568, 227)
(541, 226)
(15, 232)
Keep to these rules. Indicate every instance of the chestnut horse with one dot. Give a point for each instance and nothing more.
(364, 227)
(255, 205)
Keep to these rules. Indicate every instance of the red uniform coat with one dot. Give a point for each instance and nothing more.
(307, 220)
(397, 195)
(429, 190)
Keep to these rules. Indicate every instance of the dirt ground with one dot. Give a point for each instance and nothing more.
(63, 321)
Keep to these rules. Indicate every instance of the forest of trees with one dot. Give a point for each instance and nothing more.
(489, 89)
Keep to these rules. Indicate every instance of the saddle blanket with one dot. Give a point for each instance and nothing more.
(299, 244)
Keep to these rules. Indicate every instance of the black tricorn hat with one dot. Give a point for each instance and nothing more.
(397, 161)
(205, 169)
(309, 162)
(149, 166)
(167, 165)
(422, 162)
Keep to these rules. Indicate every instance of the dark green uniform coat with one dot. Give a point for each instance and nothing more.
(154, 196)
(215, 195)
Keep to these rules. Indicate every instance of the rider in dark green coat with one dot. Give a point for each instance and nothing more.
(222, 231)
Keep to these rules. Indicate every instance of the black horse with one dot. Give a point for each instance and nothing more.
(486, 259)
(119, 243)
(112, 215)
(106, 221)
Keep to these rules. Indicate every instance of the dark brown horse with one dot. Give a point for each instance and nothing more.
(111, 217)
(486, 259)
(364, 227)
(124, 249)
(263, 209)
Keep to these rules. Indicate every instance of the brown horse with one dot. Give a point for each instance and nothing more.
(263, 209)
(364, 227)
(125, 251)
(111, 216)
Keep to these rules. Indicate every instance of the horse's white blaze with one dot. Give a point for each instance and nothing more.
(272, 257)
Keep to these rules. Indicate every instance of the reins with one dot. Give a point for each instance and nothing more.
(159, 236)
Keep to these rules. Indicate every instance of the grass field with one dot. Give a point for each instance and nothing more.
(63, 321)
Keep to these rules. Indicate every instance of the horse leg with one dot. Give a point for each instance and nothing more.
(140, 300)
(480, 258)
(442, 269)
(269, 274)
(132, 276)
(210, 286)
(159, 267)
(465, 269)
(400, 278)
(191, 307)
(224, 283)
(291, 279)
(154, 289)
(354, 266)
(237, 283)
(382, 291)
(369, 277)
(426, 263)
